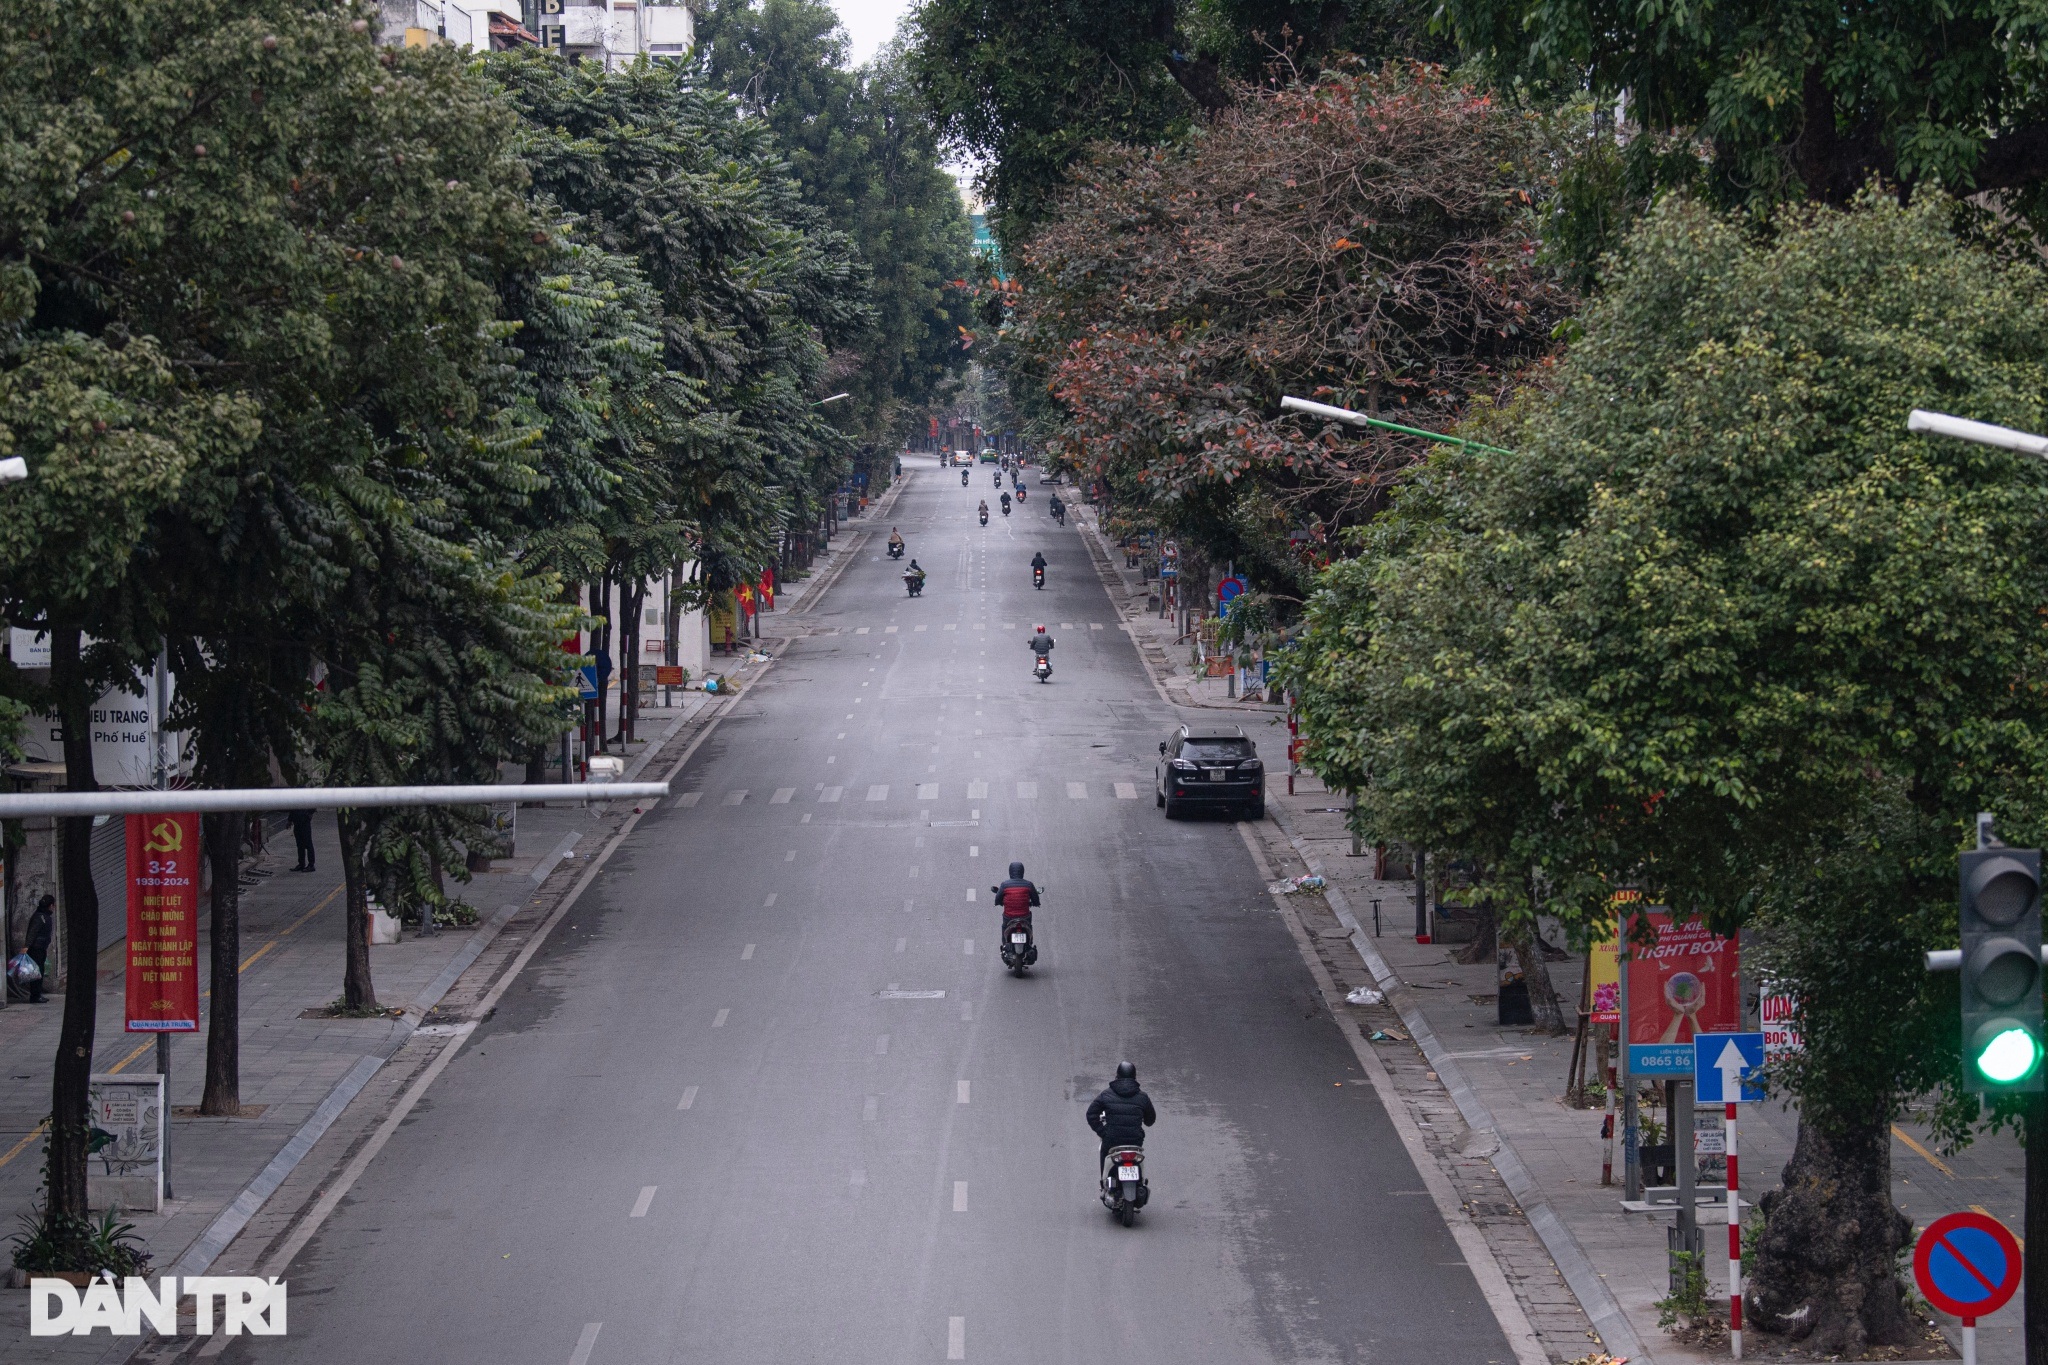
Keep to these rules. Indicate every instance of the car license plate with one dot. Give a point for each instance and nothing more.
(1016, 938)
(1127, 1173)
(1219, 774)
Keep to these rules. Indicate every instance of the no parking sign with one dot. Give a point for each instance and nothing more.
(1967, 1265)
(1228, 591)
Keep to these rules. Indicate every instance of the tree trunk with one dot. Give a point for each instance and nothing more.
(358, 992)
(71, 1078)
(1826, 1270)
(223, 1095)
(1543, 1001)
(1485, 944)
(629, 676)
(601, 609)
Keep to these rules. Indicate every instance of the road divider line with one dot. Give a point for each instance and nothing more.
(870, 1106)
(769, 904)
(882, 1046)
(961, 1091)
(718, 1020)
(747, 953)
(959, 1196)
(689, 1098)
(643, 1203)
(956, 1338)
(585, 1344)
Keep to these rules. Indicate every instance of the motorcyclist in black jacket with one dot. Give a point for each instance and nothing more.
(1121, 1114)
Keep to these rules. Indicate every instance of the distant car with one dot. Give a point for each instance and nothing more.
(988, 455)
(1049, 476)
(1210, 766)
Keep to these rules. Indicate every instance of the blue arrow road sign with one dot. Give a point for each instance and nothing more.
(1723, 1064)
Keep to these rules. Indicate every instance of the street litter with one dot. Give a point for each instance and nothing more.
(1365, 995)
(1381, 1035)
(757, 657)
(1294, 884)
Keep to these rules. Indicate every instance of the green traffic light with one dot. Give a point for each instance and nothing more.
(2011, 1055)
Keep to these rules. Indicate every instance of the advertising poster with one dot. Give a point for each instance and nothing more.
(1605, 971)
(1779, 1011)
(163, 923)
(1682, 982)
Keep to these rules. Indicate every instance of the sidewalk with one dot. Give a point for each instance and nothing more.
(298, 1073)
(1506, 1085)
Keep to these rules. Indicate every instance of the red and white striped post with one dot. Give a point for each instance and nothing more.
(1734, 1245)
(1293, 746)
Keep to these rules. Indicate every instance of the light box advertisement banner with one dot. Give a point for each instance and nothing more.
(163, 923)
(1684, 983)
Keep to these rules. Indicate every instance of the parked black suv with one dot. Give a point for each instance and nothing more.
(1210, 765)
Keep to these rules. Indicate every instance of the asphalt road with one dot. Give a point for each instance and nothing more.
(696, 1131)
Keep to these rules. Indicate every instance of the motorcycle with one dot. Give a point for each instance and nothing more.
(1018, 949)
(963, 478)
(984, 516)
(1006, 507)
(1124, 1189)
(1038, 579)
(914, 583)
(896, 550)
(1042, 670)
(1059, 513)
(1020, 492)
(997, 480)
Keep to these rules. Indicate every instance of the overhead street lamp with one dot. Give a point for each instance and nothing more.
(1359, 419)
(833, 399)
(1983, 433)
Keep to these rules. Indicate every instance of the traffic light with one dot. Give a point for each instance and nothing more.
(2001, 931)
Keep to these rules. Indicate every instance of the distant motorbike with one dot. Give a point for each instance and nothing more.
(914, 584)
(1038, 578)
(1042, 670)
(896, 550)
(1006, 507)
(1124, 1189)
(1059, 514)
(997, 479)
(963, 478)
(1020, 492)
(984, 516)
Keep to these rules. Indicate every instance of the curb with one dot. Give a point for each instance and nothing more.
(1617, 1333)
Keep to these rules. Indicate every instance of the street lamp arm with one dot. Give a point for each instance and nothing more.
(1982, 433)
(1359, 419)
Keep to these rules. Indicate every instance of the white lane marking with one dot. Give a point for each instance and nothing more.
(879, 792)
(1009, 625)
(734, 798)
(747, 953)
(769, 904)
(915, 629)
(643, 1203)
(1066, 625)
(1126, 791)
(858, 1178)
(1078, 791)
(956, 1338)
(1095, 625)
(869, 1107)
(977, 791)
(882, 1046)
(913, 870)
(901, 944)
(861, 631)
(927, 791)
(960, 1092)
(831, 758)
(959, 1196)
(907, 905)
(966, 1011)
(970, 895)
(888, 630)
(974, 850)
(856, 701)
(805, 821)
(585, 1344)
(718, 1020)
(952, 627)
(981, 625)
(790, 856)
(689, 799)
(782, 795)
(1027, 790)
(840, 735)
(830, 794)
(967, 947)
(689, 1097)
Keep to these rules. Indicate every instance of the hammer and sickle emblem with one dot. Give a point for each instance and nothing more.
(166, 836)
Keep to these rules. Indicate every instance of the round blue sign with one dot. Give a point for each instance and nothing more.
(1229, 590)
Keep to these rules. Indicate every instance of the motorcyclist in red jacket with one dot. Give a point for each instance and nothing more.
(1016, 895)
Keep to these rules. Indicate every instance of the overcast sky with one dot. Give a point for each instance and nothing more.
(870, 23)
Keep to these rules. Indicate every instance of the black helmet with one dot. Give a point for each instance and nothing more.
(1126, 1072)
(1016, 872)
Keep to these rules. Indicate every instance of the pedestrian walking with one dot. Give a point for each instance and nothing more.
(42, 924)
(302, 835)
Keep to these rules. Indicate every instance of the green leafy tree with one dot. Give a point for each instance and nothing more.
(1720, 628)
(865, 151)
(1798, 100)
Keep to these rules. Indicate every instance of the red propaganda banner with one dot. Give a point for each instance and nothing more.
(163, 923)
(768, 590)
(1684, 984)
